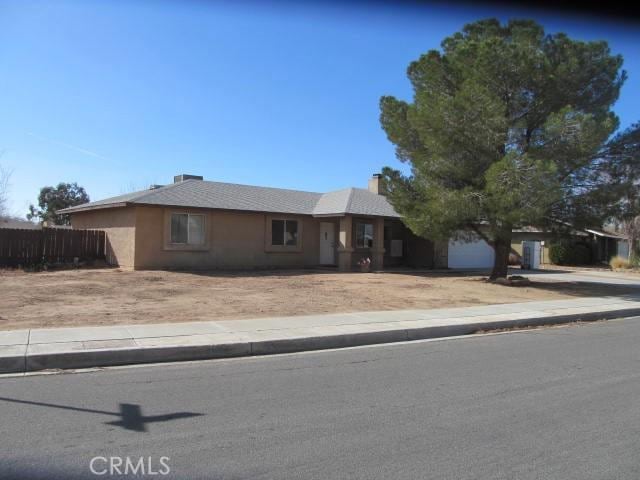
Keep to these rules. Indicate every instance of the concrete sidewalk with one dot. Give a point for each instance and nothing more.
(65, 348)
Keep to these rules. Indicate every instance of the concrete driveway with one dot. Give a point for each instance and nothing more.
(582, 276)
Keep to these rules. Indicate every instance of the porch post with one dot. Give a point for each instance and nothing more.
(345, 244)
(377, 251)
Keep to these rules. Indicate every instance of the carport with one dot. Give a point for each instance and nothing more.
(607, 245)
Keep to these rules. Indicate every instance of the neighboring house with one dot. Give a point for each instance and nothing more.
(608, 244)
(27, 225)
(478, 254)
(546, 238)
(197, 224)
(19, 223)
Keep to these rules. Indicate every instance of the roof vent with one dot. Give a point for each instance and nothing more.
(182, 177)
(155, 187)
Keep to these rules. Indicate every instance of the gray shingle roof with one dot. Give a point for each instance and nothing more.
(363, 202)
(19, 224)
(356, 201)
(230, 196)
(332, 202)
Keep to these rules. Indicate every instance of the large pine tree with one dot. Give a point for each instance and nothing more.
(510, 127)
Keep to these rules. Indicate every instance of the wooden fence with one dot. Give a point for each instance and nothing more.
(52, 245)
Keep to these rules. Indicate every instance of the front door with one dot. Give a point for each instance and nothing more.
(327, 243)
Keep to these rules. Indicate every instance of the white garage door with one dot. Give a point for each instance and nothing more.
(474, 254)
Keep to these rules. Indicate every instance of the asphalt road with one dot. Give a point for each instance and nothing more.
(558, 403)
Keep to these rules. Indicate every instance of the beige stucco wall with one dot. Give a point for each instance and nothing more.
(518, 237)
(119, 225)
(233, 240)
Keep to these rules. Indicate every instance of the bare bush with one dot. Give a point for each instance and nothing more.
(5, 175)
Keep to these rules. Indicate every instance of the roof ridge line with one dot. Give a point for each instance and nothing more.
(146, 193)
(350, 199)
(260, 186)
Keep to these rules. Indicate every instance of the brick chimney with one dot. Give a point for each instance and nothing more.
(375, 184)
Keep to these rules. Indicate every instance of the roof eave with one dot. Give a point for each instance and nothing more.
(80, 208)
(599, 233)
(327, 215)
(353, 214)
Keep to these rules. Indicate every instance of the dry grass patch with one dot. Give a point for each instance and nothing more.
(109, 297)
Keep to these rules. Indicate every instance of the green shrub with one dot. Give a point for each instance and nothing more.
(570, 253)
(558, 253)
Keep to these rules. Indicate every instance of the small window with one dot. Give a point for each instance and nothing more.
(277, 232)
(196, 230)
(364, 235)
(284, 232)
(291, 232)
(187, 229)
(179, 232)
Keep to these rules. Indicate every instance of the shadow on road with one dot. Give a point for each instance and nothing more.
(130, 415)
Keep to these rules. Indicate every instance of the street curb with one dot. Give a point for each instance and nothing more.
(140, 355)
(13, 363)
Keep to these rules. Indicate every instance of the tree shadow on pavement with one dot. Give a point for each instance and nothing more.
(586, 289)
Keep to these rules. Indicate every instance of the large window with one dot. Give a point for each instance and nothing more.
(364, 235)
(284, 233)
(187, 229)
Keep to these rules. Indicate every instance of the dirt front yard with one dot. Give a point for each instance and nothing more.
(110, 296)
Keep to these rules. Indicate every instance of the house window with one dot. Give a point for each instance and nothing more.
(284, 233)
(364, 235)
(187, 229)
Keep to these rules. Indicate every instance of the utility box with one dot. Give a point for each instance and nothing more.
(531, 253)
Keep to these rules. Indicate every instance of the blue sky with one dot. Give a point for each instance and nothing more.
(117, 95)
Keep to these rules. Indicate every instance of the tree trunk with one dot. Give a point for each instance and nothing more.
(634, 251)
(502, 248)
